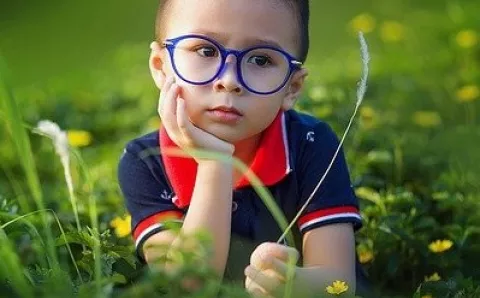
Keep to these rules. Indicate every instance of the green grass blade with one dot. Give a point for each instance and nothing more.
(19, 138)
(62, 232)
(11, 268)
(92, 210)
(24, 152)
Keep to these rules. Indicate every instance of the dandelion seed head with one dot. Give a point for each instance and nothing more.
(60, 142)
(58, 136)
(362, 85)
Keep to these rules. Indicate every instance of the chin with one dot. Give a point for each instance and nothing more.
(229, 138)
(229, 134)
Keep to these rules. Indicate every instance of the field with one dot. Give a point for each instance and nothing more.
(412, 150)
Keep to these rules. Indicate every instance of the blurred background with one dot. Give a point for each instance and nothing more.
(83, 65)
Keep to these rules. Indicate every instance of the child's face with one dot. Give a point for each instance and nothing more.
(234, 24)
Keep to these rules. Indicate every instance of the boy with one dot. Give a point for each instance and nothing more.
(230, 73)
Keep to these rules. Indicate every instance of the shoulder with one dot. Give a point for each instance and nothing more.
(302, 119)
(140, 146)
(142, 154)
(304, 130)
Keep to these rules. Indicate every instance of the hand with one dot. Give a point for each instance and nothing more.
(180, 129)
(271, 267)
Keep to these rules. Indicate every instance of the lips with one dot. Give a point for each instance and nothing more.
(225, 114)
(226, 109)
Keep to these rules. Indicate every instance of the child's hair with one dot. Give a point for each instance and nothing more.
(300, 7)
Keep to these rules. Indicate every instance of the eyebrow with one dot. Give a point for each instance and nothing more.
(250, 41)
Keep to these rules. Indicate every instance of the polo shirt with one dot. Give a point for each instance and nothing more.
(293, 155)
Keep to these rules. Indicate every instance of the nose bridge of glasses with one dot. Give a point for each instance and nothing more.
(228, 53)
(227, 62)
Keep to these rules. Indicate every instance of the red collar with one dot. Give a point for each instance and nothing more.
(271, 162)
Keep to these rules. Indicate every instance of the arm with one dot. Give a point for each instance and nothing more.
(334, 261)
(327, 223)
(210, 210)
(329, 255)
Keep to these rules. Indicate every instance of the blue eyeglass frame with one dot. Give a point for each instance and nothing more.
(171, 43)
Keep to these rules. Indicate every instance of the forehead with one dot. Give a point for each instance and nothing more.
(234, 23)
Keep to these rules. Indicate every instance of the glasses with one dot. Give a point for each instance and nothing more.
(199, 60)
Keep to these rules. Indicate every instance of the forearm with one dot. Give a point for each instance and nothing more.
(210, 209)
(315, 280)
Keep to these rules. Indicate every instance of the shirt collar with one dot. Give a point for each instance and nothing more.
(271, 162)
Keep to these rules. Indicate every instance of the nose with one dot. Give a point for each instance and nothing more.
(227, 80)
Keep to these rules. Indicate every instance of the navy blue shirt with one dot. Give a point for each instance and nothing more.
(309, 145)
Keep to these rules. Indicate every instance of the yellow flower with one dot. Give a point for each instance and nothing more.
(439, 246)
(427, 296)
(392, 31)
(433, 277)
(427, 118)
(337, 288)
(122, 226)
(468, 93)
(365, 256)
(467, 38)
(79, 138)
(363, 22)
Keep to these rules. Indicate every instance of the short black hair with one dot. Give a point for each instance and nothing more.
(300, 7)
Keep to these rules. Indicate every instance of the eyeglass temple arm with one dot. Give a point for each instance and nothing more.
(166, 43)
(297, 63)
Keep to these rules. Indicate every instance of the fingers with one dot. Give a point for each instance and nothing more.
(175, 120)
(267, 280)
(258, 293)
(254, 289)
(282, 269)
(183, 122)
(262, 254)
(168, 108)
(166, 97)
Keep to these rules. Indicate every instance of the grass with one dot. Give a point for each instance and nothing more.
(413, 155)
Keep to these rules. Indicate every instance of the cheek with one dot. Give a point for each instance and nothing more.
(194, 97)
(167, 65)
(264, 107)
(261, 115)
(191, 92)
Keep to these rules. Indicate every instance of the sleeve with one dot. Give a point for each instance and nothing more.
(148, 197)
(335, 200)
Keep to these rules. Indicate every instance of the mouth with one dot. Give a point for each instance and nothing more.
(225, 114)
(226, 109)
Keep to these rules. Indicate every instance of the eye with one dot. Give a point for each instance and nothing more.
(261, 61)
(207, 51)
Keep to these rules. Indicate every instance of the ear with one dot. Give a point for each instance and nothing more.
(156, 64)
(295, 87)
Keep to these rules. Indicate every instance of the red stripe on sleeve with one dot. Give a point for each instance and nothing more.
(154, 219)
(325, 212)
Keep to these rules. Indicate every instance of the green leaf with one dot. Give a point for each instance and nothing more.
(83, 238)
